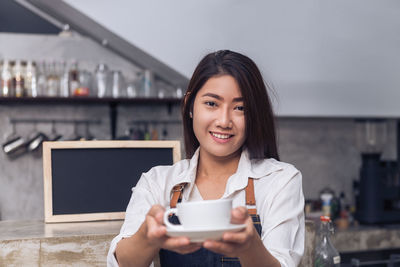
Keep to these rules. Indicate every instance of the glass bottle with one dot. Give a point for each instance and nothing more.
(6, 79)
(53, 81)
(74, 78)
(42, 79)
(64, 80)
(147, 84)
(85, 83)
(31, 80)
(118, 84)
(19, 79)
(325, 253)
(132, 90)
(102, 81)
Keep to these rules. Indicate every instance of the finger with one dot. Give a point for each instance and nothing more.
(174, 243)
(239, 215)
(242, 235)
(239, 238)
(223, 248)
(154, 229)
(189, 249)
(155, 219)
(155, 209)
(159, 216)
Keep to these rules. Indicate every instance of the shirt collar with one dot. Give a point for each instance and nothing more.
(255, 168)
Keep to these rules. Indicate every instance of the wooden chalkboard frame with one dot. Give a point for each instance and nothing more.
(47, 174)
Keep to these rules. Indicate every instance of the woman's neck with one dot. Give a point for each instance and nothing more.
(213, 173)
(217, 167)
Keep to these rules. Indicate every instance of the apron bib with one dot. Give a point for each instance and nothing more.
(204, 257)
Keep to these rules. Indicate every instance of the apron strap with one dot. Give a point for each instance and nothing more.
(177, 194)
(250, 198)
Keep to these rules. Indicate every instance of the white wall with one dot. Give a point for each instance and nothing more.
(323, 57)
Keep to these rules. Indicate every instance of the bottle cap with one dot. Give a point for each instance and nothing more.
(325, 218)
(326, 197)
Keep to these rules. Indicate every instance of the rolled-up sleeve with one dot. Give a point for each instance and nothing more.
(283, 222)
(142, 199)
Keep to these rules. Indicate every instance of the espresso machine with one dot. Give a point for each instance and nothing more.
(378, 190)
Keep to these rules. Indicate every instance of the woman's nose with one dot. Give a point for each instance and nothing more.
(224, 119)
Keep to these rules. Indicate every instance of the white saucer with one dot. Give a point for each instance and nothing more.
(200, 235)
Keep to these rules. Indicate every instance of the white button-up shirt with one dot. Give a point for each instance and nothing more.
(278, 193)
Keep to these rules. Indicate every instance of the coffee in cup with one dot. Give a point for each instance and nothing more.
(206, 214)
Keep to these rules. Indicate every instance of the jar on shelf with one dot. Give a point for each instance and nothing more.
(19, 79)
(6, 79)
(118, 84)
(31, 79)
(73, 78)
(102, 81)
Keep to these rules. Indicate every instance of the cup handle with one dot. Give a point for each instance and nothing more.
(166, 221)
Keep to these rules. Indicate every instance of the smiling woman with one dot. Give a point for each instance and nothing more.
(232, 155)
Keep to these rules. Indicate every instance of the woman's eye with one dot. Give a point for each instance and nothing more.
(241, 108)
(210, 103)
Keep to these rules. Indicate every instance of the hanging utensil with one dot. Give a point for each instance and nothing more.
(15, 145)
(54, 136)
(88, 135)
(36, 140)
(75, 136)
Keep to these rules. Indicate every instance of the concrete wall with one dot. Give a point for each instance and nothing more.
(326, 152)
(323, 149)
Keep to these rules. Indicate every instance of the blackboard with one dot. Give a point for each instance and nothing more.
(88, 182)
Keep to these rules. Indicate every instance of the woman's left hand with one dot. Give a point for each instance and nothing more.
(234, 244)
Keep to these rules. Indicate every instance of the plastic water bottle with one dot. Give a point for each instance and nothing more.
(325, 253)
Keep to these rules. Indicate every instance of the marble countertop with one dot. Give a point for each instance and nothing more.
(15, 230)
(360, 238)
(363, 238)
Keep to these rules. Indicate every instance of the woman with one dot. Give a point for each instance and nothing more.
(232, 153)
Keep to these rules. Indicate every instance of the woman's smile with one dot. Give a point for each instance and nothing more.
(221, 137)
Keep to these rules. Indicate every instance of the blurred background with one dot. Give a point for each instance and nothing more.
(85, 70)
(117, 70)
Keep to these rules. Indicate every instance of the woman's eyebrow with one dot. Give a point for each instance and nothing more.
(237, 99)
(213, 95)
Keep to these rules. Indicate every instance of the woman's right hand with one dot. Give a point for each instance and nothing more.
(155, 232)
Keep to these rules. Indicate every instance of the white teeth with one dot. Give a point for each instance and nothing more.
(221, 136)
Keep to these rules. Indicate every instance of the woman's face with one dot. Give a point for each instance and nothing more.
(218, 117)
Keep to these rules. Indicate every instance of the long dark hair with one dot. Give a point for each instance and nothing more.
(259, 117)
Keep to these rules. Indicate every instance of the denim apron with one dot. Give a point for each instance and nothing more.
(204, 257)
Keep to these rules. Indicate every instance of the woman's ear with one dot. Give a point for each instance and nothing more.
(191, 110)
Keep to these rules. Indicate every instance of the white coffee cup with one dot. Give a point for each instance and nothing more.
(206, 214)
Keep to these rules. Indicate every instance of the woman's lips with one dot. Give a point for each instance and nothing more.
(220, 137)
